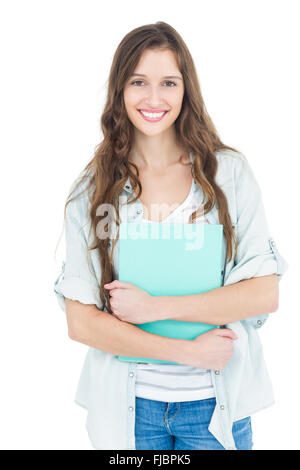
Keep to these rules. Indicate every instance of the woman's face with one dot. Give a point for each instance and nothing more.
(156, 87)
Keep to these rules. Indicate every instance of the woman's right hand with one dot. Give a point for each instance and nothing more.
(210, 350)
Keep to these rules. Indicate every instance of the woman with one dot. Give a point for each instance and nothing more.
(161, 159)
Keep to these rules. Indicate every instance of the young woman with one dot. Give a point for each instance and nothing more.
(161, 159)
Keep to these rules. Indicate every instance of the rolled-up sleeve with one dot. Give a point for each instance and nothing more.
(257, 253)
(77, 279)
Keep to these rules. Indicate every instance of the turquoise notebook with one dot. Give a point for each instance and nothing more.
(171, 259)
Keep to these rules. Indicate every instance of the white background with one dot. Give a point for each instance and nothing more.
(55, 60)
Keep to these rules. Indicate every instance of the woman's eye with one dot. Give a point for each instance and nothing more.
(141, 81)
(137, 81)
(172, 82)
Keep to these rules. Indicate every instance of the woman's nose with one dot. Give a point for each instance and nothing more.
(154, 97)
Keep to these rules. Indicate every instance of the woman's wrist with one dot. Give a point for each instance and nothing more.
(183, 352)
(170, 349)
(160, 308)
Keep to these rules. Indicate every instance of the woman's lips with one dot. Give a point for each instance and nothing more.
(149, 119)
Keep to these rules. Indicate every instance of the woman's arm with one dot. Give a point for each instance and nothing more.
(89, 325)
(222, 305)
(101, 330)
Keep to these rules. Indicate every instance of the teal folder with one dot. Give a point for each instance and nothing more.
(171, 259)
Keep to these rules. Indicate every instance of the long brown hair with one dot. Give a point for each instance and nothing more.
(109, 169)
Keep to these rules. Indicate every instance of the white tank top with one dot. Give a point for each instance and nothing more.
(175, 382)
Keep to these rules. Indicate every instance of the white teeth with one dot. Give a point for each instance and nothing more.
(152, 115)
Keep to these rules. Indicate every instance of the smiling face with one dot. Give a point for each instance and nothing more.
(153, 95)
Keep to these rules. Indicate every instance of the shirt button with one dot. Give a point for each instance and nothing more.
(131, 374)
(259, 322)
(138, 211)
(222, 407)
(217, 372)
(131, 408)
(127, 186)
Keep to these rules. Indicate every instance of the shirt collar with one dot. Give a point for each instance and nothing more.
(127, 186)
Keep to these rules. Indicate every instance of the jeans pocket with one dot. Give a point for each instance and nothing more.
(242, 433)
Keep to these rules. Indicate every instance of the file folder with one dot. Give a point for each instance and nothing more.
(171, 259)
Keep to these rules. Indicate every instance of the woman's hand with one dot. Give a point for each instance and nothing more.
(211, 350)
(130, 303)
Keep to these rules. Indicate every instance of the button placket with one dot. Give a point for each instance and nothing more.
(131, 405)
(219, 386)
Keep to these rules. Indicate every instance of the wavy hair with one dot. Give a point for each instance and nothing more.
(109, 169)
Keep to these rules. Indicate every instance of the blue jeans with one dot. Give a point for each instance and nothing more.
(182, 425)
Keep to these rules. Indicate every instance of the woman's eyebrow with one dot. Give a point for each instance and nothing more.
(167, 76)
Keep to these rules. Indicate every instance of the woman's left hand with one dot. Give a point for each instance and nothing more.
(130, 303)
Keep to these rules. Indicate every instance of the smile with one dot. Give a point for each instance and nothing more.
(152, 117)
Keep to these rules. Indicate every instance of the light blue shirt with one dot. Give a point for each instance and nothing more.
(107, 386)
